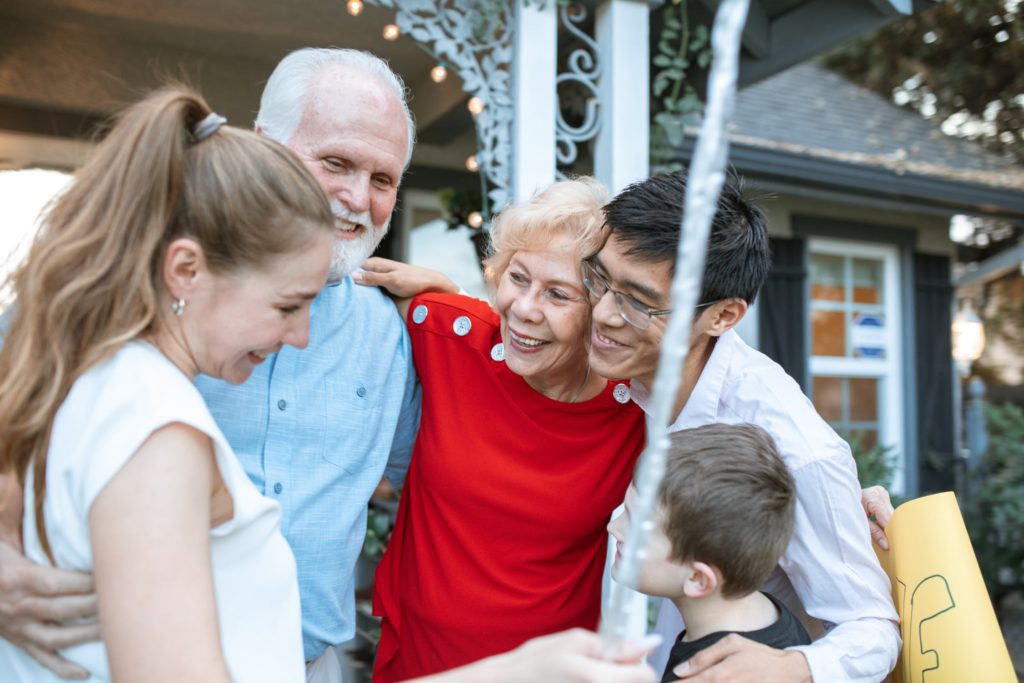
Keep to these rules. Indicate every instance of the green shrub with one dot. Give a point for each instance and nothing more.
(995, 511)
(379, 525)
(876, 465)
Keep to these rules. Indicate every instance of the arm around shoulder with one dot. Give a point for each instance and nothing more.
(403, 281)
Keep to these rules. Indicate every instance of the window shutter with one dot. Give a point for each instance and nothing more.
(933, 303)
(783, 309)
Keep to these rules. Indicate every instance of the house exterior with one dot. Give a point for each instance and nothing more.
(864, 191)
(859, 304)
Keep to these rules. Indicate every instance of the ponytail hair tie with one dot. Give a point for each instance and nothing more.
(208, 126)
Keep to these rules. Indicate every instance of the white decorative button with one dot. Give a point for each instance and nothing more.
(621, 393)
(462, 325)
(419, 314)
(498, 352)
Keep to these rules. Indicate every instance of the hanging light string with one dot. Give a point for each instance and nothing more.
(706, 175)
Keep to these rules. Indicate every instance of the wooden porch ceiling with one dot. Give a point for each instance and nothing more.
(66, 64)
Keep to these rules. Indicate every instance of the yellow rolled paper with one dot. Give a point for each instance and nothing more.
(950, 632)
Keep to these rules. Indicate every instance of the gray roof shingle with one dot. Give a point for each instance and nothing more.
(807, 109)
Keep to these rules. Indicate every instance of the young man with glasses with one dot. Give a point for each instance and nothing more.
(829, 571)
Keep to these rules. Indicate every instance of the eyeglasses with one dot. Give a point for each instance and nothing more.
(632, 311)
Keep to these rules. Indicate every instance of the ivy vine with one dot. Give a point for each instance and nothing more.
(677, 103)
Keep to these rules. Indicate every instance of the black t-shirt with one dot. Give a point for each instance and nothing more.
(785, 632)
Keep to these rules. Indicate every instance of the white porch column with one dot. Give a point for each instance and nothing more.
(622, 32)
(535, 42)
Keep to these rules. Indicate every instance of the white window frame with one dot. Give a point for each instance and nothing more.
(888, 370)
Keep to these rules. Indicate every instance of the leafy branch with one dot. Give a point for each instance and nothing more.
(679, 48)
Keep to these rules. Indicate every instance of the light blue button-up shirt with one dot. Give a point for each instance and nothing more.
(316, 429)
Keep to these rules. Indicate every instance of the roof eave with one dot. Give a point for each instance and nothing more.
(956, 196)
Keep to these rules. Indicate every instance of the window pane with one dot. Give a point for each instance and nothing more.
(828, 333)
(827, 278)
(863, 399)
(828, 398)
(868, 336)
(867, 281)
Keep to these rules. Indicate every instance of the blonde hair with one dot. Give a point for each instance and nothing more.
(569, 208)
(92, 279)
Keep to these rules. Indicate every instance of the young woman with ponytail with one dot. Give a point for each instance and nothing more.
(182, 247)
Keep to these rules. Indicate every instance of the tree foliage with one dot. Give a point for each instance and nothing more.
(959, 61)
(995, 515)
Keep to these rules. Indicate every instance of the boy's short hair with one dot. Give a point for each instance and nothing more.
(728, 500)
(646, 218)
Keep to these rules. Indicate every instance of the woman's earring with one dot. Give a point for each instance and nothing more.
(178, 307)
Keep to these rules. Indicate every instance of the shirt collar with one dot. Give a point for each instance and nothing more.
(702, 406)
(331, 284)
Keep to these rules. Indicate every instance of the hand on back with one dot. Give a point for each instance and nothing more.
(44, 610)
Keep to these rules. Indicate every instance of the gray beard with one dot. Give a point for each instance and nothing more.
(349, 255)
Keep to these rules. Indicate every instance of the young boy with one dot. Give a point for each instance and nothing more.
(725, 518)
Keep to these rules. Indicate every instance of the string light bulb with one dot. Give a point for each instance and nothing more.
(475, 219)
(391, 32)
(438, 73)
(472, 165)
(355, 7)
(475, 105)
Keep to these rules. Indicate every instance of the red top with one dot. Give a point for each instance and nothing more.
(500, 534)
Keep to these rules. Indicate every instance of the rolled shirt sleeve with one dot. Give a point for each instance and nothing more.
(836, 575)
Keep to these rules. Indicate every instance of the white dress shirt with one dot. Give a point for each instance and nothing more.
(829, 572)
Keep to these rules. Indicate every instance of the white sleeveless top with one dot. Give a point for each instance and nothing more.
(108, 414)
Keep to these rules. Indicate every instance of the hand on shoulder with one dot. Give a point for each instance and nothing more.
(403, 280)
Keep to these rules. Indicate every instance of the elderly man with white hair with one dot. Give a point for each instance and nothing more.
(316, 428)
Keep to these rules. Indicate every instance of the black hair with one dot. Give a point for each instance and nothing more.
(646, 218)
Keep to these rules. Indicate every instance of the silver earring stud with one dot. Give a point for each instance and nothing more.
(178, 307)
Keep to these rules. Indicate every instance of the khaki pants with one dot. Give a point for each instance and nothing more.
(324, 669)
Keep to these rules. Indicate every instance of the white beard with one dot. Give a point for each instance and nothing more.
(350, 254)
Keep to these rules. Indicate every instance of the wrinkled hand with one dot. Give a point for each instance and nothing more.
(573, 657)
(878, 507)
(35, 603)
(401, 279)
(738, 660)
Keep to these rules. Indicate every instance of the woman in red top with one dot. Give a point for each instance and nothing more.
(522, 452)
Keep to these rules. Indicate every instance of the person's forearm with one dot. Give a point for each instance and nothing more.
(492, 670)
(860, 651)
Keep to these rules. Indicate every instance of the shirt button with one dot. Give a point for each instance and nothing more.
(621, 393)
(419, 314)
(278, 488)
(498, 352)
(282, 404)
(361, 392)
(462, 326)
